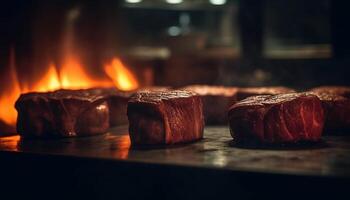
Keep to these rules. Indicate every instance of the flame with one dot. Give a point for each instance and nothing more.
(49, 82)
(10, 94)
(122, 78)
(70, 74)
(73, 76)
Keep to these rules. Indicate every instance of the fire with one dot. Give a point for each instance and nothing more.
(9, 95)
(70, 74)
(121, 76)
(49, 82)
(73, 76)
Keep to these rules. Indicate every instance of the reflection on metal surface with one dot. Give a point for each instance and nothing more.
(120, 148)
(9, 143)
(214, 151)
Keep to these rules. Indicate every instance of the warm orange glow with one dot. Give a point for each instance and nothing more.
(70, 74)
(10, 143)
(122, 78)
(9, 95)
(73, 76)
(49, 82)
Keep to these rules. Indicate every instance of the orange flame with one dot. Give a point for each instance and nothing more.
(70, 75)
(49, 82)
(10, 94)
(73, 76)
(122, 78)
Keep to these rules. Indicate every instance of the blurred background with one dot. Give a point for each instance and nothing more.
(294, 43)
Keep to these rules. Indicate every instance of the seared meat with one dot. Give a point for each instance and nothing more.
(63, 113)
(254, 91)
(118, 102)
(216, 100)
(337, 111)
(273, 119)
(168, 117)
(337, 90)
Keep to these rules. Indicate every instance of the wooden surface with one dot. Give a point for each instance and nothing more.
(331, 158)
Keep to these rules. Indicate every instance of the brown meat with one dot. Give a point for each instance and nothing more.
(274, 119)
(337, 111)
(216, 100)
(254, 91)
(155, 88)
(337, 90)
(165, 117)
(63, 113)
(118, 102)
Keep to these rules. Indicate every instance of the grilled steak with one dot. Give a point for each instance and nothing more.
(273, 119)
(338, 90)
(63, 113)
(254, 91)
(168, 117)
(337, 111)
(118, 102)
(216, 100)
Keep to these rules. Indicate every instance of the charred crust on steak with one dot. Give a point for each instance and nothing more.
(212, 90)
(216, 100)
(277, 119)
(165, 117)
(336, 90)
(62, 113)
(243, 93)
(156, 97)
(337, 111)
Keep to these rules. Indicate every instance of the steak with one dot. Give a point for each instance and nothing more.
(156, 88)
(337, 90)
(254, 91)
(216, 100)
(169, 117)
(337, 111)
(118, 102)
(63, 113)
(275, 119)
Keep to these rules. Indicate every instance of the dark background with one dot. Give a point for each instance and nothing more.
(34, 29)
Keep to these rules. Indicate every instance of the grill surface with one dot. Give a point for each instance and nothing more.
(217, 151)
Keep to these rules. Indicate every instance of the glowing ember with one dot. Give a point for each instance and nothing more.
(9, 95)
(122, 78)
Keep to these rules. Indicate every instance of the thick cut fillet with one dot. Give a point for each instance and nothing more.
(337, 90)
(273, 119)
(216, 100)
(337, 111)
(168, 117)
(118, 102)
(254, 91)
(63, 113)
